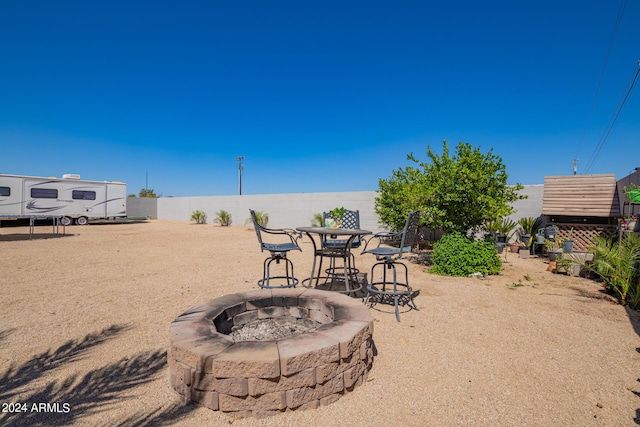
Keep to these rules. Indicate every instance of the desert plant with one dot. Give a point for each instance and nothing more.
(502, 226)
(199, 217)
(550, 245)
(617, 264)
(317, 220)
(530, 225)
(223, 218)
(457, 255)
(261, 217)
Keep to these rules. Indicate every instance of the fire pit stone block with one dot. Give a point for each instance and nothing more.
(266, 377)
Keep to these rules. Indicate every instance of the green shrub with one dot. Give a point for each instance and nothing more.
(199, 217)
(457, 255)
(223, 218)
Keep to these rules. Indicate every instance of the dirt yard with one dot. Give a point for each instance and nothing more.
(84, 330)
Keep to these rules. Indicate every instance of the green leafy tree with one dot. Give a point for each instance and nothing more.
(147, 193)
(456, 193)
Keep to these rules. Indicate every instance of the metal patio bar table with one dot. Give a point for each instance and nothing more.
(320, 252)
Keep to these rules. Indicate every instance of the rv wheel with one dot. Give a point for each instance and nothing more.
(65, 220)
(82, 220)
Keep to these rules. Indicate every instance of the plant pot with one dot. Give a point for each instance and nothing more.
(567, 246)
(576, 269)
(553, 255)
(333, 224)
(514, 248)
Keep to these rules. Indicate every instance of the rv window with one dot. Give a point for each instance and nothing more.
(83, 195)
(5, 191)
(44, 193)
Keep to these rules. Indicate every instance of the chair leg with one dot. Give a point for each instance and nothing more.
(289, 276)
(397, 290)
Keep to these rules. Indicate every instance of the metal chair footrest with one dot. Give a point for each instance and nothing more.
(291, 282)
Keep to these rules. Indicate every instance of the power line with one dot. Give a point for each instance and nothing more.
(604, 68)
(614, 117)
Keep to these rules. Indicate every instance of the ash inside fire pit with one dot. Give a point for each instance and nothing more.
(274, 329)
(229, 353)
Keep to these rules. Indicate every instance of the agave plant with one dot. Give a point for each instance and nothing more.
(223, 218)
(504, 226)
(530, 225)
(617, 262)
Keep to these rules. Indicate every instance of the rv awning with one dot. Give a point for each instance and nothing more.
(581, 195)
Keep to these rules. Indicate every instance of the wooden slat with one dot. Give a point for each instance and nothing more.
(580, 195)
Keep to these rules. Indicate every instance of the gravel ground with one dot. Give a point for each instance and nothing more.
(85, 317)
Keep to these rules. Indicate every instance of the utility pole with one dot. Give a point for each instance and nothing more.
(575, 166)
(239, 159)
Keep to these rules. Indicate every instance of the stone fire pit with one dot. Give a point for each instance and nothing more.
(260, 377)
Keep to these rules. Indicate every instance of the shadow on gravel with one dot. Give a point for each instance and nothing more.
(67, 401)
(634, 318)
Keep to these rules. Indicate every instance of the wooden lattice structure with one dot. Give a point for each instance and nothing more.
(583, 234)
(582, 207)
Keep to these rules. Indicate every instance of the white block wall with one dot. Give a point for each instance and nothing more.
(284, 210)
(297, 209)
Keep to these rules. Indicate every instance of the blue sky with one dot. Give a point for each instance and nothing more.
(317, 96)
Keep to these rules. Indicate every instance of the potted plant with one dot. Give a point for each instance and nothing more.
(529, 227)
(502, 230)
(551, 247)
(567, 243)
(336, 214)
(633, 192)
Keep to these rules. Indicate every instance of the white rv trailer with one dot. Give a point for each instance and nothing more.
(68, 198)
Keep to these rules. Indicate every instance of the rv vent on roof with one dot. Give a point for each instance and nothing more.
(71, 176)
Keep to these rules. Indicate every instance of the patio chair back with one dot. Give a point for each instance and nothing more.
(257, 227)
(410, 232)
(350, 220)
